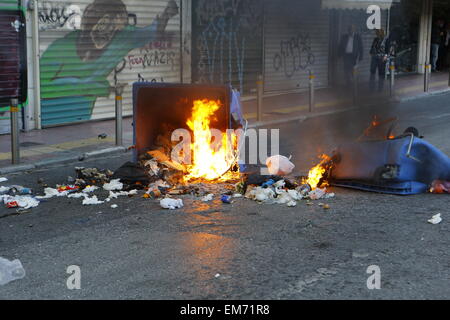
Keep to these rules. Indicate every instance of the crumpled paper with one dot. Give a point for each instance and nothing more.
(171, 204)
(436, 219)
(113, 185)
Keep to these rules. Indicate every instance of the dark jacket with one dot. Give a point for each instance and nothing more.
(358, 48)
(438, 35)
(380, 48)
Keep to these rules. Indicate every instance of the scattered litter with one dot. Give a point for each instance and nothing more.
(93, 175)
(51, 192)
(439, 186)
(14, 190)
(90, 189)
(113, 185)
(284, 198)
(279, 165)
(260, 194)
(317, 194)
(292, 203)
(114, 206)
(237, 195)
(172, 204)
(25, 202)
(326, 206)
(280, 184)
(10, 271)
(77, 195)
(153, 166)
(70, 188)
(208, 198)
(217, 275)
(295, 195)
(115, 195)
(436, 219)
(3, 179)
(131, 174)
(268, 183)
(226, 199)
(91, 201)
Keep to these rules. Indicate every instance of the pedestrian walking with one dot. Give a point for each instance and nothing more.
(352, 51)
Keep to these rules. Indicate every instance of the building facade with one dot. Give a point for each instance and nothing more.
(80, 52)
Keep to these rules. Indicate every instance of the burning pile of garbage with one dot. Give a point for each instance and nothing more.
(212, 171)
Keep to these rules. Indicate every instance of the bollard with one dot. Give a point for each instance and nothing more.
(260, 92)
(355, 85)
(119, 140)
(426, 85)
(312, 100)
(14, 110)
(392, 74)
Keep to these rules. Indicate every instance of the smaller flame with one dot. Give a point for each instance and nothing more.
(316, 173)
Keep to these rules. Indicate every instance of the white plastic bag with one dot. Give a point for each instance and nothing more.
(279, 165)
(171, 204)
(10, 271)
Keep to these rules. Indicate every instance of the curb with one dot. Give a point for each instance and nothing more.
(62, 160)
(366, 105)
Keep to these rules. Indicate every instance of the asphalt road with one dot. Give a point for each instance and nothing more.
(139, 251)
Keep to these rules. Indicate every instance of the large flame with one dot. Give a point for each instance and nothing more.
(316, 173)
(211, 160)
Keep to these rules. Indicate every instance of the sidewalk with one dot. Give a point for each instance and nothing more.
(72, 141)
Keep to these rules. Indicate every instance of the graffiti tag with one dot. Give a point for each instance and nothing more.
(295, 55)
(56, 15)
(226, 27)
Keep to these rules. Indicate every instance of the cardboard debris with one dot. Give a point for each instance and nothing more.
(159, 156)
(153, 166)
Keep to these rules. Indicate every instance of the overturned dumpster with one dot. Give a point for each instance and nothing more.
(404, 165)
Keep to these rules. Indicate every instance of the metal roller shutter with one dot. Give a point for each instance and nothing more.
(82, 50)
(296, 40)
(13, 67)
(227, 42)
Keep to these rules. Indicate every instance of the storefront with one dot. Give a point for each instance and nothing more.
(227, 42)
(88, 47)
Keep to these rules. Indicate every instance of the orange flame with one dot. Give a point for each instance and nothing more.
(211, 159)
(316, 173)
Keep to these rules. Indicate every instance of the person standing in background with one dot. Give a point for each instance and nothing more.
(379, 52)
(352, 51)
(447, 46)
(437, 38)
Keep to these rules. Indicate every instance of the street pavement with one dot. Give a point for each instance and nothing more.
(243, 250)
